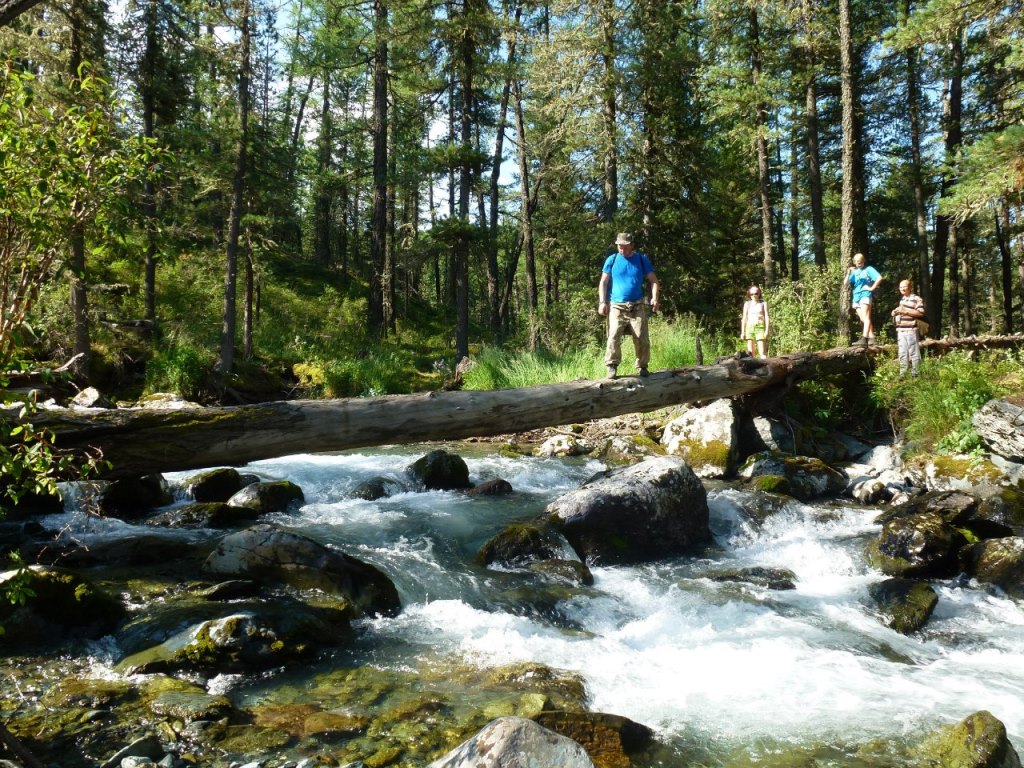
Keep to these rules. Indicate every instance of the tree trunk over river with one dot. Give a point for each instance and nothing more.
(140, 441)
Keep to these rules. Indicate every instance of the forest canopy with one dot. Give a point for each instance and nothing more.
(316, 181)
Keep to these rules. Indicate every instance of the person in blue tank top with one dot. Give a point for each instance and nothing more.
(620, 295)
(865, 280)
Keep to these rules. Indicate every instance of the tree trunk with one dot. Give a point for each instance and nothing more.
(916, 169)
(527, 221)
(763, 169)
(1002, 221)
(951, 110)
(79, 294)
(226, 361)
(848, 206)
(325, 142)
(610, 205)
(149, 131)
(248, 318)
(378, 221)
(813, 151)
(140, 441)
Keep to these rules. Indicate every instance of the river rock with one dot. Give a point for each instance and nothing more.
(609, 740)
(906, 604)
(763, 433)
(172, 552)
(706, 437)
(769, 578)
(61, 604)
(90, 397)
(922, 545)
(565, 445)
(265, 553)
(214, 485)
(214, 514)
(1004, 507)
(802, 477)
(619, 449)
(958, 508)
(657, 508)
(377, 488)
(999, 562)
(441, 471)
(515, 742)
(1000, 425)
(133, 497)
(256, 636)
(496, 486)
(265, 497)
(519, 545)
(977, 741)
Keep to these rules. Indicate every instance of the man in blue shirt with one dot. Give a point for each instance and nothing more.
(625, 273)
(864, 281)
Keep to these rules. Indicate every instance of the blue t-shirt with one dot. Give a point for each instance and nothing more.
(628, 275)
(861, 279)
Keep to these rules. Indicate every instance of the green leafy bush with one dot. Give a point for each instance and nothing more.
(181, 368)
(938, 406)
(803, 313)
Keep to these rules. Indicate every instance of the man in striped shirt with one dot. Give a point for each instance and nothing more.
(905, 315)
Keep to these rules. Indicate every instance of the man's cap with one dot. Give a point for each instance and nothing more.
(624, 238)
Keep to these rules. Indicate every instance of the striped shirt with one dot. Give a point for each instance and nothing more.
(913, 301)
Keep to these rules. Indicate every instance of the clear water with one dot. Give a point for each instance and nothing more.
(720, 665)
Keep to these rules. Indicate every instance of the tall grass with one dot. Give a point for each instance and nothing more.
(673, 345)
(935, 409)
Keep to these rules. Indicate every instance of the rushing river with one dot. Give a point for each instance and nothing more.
(718, 669)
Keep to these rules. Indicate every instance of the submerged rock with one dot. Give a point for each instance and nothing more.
(769, 578)
(134, 497)
(515, 742)
(977, 741)
(377, 488)
(441, 471)
(519, 545)
(609, 740)
(657, 508)
(494, 487)
(905, 604)
(265, 553)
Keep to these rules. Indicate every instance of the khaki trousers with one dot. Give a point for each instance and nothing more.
(629, 319)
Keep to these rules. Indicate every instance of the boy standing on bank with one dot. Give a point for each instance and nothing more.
(620, 295)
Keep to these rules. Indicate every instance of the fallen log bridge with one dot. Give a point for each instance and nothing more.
(141, 441)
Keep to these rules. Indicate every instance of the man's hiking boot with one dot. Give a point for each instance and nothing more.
(861, 342)
(643, 373)
(612, 372)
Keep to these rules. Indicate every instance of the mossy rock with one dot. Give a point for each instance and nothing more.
(252, 740)
(90, 693)
(999, 562)
(922, 545)
(191, 706)
(213, 485)
(769, 578)
(777, 484)
(1006, 508)
(61, 604)
(524, 543)
(906, 605)
(266, 497)
(441, 471)
(977, 741)
(608, 739)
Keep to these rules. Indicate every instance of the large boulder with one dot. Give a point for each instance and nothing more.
(801, 477)
(515, 742)
(265, 497)
(1000, 425)
(263, 636)
(657, 508)
(922, 545)
(610, 740)
(977, 741)
(905, 604)
(265, 553)
(706, 437)
(999, 562)
(537, 547)
(1004, 507)
(213, 514)
(958, 508)
(133, 497)
(58, 604)
(441, 471)
(213, 485)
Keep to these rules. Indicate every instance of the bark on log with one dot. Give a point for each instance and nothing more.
(139, 441)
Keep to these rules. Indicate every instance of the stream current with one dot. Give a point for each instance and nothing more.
(717, 669)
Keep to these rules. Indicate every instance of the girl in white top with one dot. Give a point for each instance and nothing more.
(755, 327)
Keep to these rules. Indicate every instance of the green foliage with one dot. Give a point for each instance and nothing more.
(181, 368)
(804, 313)
(937, 407)
(382, 371)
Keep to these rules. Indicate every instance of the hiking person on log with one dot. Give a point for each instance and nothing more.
(755, 327)
(620, 295)
(905, 315)
(865, 281)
